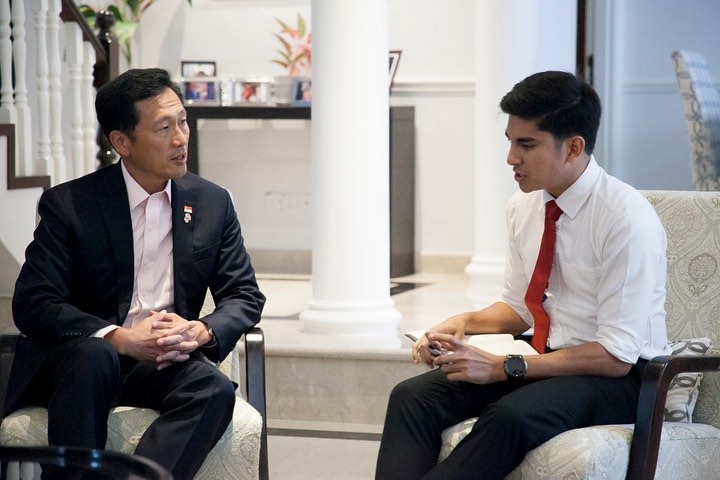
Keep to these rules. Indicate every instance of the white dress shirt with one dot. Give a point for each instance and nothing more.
(153, 281)
(607, 282)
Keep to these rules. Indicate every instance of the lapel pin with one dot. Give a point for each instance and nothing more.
(188, 213)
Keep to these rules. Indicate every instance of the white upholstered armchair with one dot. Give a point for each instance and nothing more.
(241, 453)
(677, 432)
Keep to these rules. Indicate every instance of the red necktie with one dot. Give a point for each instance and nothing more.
(538, 283)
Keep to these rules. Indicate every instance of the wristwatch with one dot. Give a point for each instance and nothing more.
(213, 340)
(515, 367)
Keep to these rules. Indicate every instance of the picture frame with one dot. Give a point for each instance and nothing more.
(394, 60)
(250, 91)
(197, 68)
(302, 92)
(201, 91)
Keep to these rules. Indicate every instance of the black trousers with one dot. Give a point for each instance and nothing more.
(81, 380)
(513, 419)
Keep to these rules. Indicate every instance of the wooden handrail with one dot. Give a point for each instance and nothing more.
(71, 13)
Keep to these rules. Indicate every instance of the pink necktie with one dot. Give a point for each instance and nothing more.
(538, 283)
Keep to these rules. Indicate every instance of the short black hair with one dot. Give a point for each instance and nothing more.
(115, 101)
(559, 103)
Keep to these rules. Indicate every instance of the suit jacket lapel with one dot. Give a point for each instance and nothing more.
(115, 211)
(184, 212)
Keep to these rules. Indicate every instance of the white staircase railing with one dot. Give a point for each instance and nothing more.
(50, 66)
(47, 89)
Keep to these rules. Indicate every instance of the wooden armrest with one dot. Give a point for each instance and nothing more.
(255, 385)
(656, 379)
(8, 341)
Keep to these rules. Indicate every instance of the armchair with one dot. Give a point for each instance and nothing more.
(654, 447)
(241, 454)
(701, 103)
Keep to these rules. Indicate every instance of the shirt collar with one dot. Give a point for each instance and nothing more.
(136, 194)
(572, 199)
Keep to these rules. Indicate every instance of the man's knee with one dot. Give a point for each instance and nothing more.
(412, 389)
(90, 357)
(224, 388)
(86, 358)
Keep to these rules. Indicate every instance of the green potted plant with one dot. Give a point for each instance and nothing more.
(127, 15)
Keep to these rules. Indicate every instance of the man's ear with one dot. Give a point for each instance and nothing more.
(575, 147)
(120, 142)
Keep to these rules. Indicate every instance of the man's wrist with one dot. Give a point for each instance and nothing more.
(515, 367)
(213, 341)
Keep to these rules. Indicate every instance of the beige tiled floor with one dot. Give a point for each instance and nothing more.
(301, 458)
(308, 457)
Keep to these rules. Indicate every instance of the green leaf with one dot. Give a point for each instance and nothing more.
(285, 43)
(297, 58)
(88, 14)
(283, 25)
(117, 13)
(301, 26)
(134, 6)
(285, 57)
(124, 31)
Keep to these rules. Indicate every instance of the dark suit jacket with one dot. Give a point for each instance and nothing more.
(78, 273)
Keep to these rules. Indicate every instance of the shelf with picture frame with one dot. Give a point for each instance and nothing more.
(401, 165)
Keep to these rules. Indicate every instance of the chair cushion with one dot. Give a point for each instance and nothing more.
(236, 455)
(601, 452)
(684, 388)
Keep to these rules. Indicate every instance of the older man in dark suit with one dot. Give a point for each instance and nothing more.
(110, 293)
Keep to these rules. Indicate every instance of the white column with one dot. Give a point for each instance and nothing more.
(513, 39)
(350, 302)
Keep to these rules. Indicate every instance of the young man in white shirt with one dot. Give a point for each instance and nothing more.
(604, 298)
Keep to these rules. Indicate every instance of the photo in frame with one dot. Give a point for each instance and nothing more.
(394, 60)
(250, 91)
(201, 91)
(302, 92)
(199, 68)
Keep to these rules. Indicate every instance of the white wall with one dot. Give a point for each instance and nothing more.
(644, 137)
(436, 75)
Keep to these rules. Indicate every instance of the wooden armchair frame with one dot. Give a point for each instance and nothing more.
(658, 374)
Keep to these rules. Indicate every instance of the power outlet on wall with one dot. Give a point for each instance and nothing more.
(288, 202)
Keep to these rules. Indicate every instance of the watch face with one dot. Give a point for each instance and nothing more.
(515, 366)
